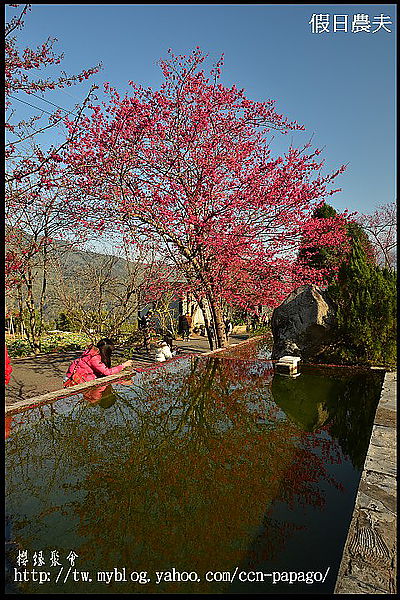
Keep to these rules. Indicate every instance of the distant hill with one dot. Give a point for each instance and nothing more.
(73, 264)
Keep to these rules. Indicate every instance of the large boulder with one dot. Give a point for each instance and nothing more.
(302, 324)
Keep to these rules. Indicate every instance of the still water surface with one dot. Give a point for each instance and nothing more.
(202, 465)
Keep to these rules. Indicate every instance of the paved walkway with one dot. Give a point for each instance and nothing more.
(37, 375)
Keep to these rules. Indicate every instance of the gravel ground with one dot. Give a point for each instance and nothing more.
(34, 376)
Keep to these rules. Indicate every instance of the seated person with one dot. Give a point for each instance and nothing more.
(93, 363)
(163, 352)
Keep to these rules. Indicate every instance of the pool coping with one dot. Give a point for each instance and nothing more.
(368, 564)
(127, 373)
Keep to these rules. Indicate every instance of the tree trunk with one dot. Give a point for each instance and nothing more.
(218, 322)
(42, 294)
(31, 331)
(206, 323)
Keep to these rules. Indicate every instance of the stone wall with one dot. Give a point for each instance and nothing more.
(368, 563)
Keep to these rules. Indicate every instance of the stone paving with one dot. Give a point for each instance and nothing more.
(369, 559)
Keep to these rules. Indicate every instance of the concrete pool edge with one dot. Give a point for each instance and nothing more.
(368, 564)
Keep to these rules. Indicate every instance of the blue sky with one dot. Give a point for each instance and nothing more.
(339, 85)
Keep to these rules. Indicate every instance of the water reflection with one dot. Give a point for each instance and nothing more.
(182, 469)
(304, 399)
(104, 395)
(347, 404)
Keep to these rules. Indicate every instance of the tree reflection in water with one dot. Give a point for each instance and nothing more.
(171, 471)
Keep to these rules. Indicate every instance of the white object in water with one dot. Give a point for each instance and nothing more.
(287, 365)
(294, 360)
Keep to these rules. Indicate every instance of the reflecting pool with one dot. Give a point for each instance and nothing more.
(204, 470)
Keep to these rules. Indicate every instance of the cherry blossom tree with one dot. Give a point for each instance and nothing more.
(190, 167)
(21, 66)
(33, 216)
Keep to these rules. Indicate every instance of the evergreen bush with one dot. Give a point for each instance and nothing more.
(365, 295)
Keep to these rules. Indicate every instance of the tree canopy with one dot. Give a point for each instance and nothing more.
(189, 167)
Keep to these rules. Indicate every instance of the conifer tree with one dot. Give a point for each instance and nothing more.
(365, 295)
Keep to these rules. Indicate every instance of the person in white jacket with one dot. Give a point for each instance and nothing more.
(163, 352)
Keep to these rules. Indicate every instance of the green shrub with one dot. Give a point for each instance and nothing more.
(64, 323)
(365, 295)
(55, 342)
(19, 347)
(261, 330)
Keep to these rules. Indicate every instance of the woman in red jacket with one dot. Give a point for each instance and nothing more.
(8, 369)
(93, 363)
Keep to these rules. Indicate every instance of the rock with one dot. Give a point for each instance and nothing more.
(302, 324)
